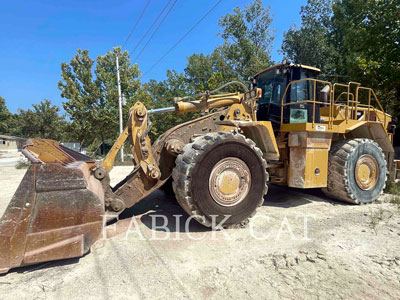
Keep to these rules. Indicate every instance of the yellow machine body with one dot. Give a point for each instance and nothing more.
(294, 154)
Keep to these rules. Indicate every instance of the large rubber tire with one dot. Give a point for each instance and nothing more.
(342, 184)
(193, 170)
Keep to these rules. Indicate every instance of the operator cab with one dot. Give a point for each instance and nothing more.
(273, 82)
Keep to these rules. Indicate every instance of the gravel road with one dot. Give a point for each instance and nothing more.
(300, 245)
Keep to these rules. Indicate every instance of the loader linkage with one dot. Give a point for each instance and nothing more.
(220, 162)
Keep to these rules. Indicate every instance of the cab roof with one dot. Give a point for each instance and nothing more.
(289, 65)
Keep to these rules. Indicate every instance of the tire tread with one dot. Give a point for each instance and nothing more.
(338, 181)
(186, 162)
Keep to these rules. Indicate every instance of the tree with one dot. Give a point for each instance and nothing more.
(246, 50)
(199, 68)
(5, 117)
(207, 72)
(311, 44)
(161, 94)
(78, 87)
(107, 80)
(247, 38)
(43, 121)
(354, 40)
(91, 90)
(369, 33)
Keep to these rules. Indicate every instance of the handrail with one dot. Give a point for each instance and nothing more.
(370, 90)
(344, 93)
(304, 101)
(315, 81)
(357, 102)
(352, 101)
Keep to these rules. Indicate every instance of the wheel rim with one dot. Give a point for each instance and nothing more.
(229, 181)
(366, 172)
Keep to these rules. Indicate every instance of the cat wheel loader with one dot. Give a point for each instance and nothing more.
(290, 129)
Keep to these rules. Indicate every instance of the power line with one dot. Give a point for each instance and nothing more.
(155, 31)
(118, 76)
(137, 22)
(151, 26)
(183, 37)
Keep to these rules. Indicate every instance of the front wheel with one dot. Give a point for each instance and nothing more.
(218, 175)
(357, 171)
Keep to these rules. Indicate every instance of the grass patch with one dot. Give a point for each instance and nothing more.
(393, 188)
(22, 164)
(378, 217)
(396, 202)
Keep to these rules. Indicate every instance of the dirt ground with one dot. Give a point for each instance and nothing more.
(341, 252)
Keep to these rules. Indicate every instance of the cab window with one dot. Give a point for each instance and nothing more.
(302, 90)
(272, 85)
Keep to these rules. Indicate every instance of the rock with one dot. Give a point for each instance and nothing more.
(310, 258)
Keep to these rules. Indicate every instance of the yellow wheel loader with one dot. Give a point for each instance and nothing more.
(289, 129)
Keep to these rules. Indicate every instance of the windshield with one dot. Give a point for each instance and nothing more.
(272, 86)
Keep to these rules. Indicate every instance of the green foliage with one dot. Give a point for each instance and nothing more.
(5, 117)
(246, 50)
(92, 95)
(43, 121)
(369, 33)
(161, 94)
(22, 164)
(393, 188)
(354, 39)
(77, 86)
(199, 68)
(311, 43)
(357, 38)
(247, 38)
(106, 79)
(90, 86)
(378, 218)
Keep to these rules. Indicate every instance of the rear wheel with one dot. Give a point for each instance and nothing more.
(220, 174)
(357, 171)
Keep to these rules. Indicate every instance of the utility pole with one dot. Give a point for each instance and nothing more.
(119, 106)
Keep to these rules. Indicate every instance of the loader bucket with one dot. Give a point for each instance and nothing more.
(56, 212)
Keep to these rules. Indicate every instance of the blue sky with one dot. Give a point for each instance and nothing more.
(36, 36)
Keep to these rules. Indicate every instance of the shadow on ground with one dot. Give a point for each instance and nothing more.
(283, 196)
(44, 265)
(161, 206)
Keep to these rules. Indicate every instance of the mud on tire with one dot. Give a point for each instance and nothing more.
(342, 181)
(191, 177)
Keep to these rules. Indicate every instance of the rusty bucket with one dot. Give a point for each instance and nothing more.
(57, 210)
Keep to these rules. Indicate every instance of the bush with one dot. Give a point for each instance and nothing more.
(393, 188)
(23, 164)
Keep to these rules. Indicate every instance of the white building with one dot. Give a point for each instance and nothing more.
(11, 143)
